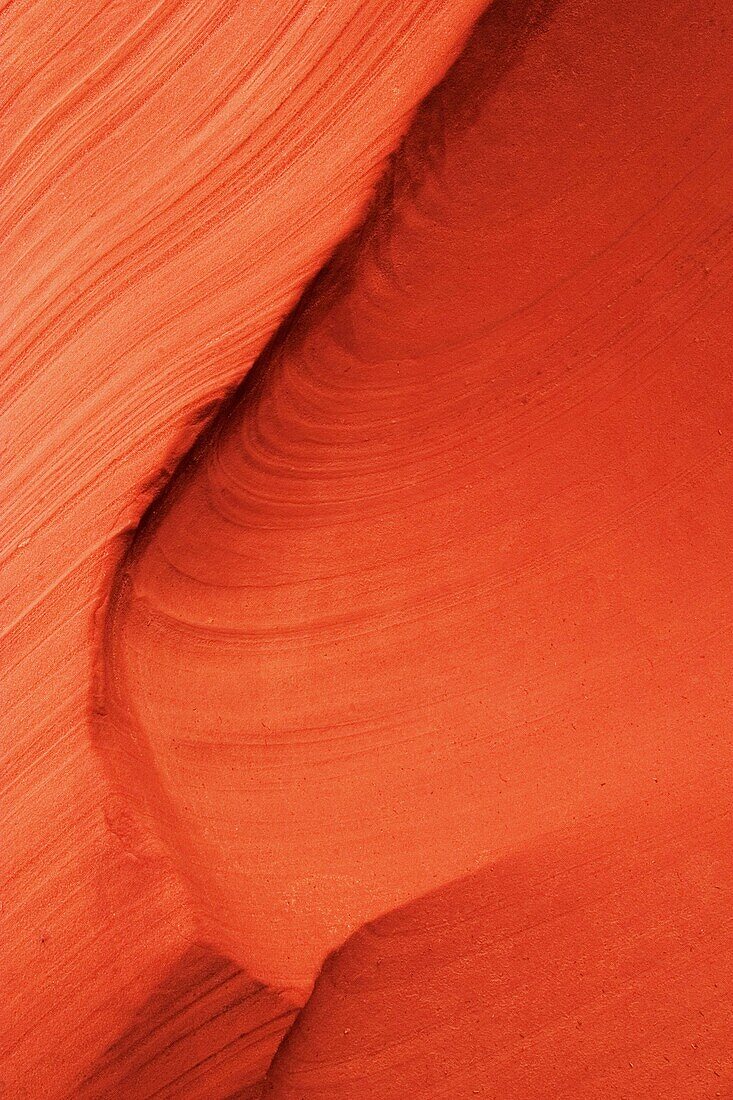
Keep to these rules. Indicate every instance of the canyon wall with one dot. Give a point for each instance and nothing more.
(366, 550)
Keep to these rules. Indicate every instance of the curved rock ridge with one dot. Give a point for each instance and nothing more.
(592, 964)
(172, 174)
(449, 574)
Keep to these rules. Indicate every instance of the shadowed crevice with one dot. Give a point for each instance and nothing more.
(207, 1029)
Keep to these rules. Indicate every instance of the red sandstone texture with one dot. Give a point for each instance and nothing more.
(398, 720)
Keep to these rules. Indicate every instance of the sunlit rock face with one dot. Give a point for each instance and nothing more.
(172, 174)
(447, 578)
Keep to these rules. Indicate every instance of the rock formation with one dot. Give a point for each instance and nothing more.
(367, 710)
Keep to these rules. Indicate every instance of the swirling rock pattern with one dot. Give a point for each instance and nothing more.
(411, 695)
(445, 580)
(173, 173)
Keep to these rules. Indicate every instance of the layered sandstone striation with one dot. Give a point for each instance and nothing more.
(377, 696)
(171, 176)
(436, 609)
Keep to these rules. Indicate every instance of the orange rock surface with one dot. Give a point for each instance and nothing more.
(403, 694)
(172, 176)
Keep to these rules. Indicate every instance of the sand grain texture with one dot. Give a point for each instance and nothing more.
(404, 695)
